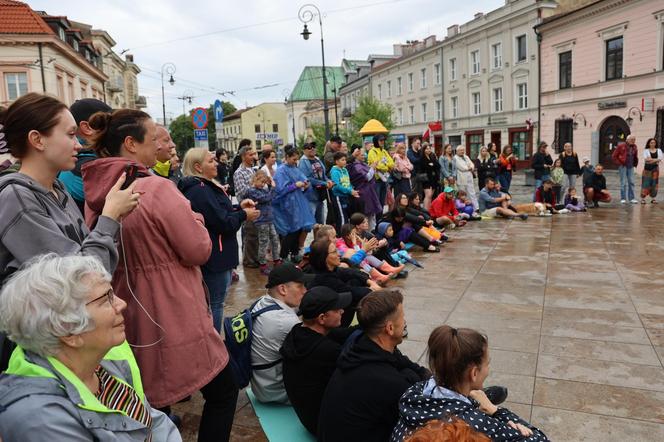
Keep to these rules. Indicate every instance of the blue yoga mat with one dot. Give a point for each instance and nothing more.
(279, 422)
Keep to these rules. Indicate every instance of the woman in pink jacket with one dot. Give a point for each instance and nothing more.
(402, 170)
(162, 244)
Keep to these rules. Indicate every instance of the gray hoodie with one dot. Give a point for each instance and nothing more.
(33, 221)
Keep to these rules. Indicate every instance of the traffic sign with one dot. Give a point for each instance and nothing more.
(200, 134)
(199, 118)
(218, 111)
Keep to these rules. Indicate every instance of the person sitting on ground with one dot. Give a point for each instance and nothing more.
(72, 375)
(459, 360)
(572, 202)
(262, 193)
(465, 205)
(404, 233)
(455, 430)
(360, 222)
(494, 204)
(596, 189)
(417, 218)
(285, 288)
(311, 349)
(359, 255)
(444, 212)
(360, 402)
(545, 194)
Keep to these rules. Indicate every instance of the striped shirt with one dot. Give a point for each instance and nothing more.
(116, 395)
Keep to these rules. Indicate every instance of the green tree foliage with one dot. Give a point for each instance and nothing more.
(182, 130)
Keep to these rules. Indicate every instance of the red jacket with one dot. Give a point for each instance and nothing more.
(442, 206)
(619, 155)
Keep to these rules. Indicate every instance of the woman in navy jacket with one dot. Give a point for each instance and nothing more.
(222, 221)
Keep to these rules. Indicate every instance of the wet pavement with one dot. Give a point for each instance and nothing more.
(573, 307)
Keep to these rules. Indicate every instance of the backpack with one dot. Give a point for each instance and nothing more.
(238, 332)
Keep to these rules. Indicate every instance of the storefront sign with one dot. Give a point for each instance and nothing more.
(602, 105)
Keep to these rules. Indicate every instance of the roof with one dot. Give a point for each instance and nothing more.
(566, 14)
(18, 18)
(310, 84)
(236, 114)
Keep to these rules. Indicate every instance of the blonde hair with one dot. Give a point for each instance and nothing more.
(196, 155)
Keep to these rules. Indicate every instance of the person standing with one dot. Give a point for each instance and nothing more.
(402, 169)
(447, 165)
(485, 165)
(342, 191)
(430, 168)
(506, 166)
(331, 147)
(541, 164)
(242, 180)
(362, 179)
(415, 156)
(627, 158)
(652, 156)
(314, 170)
(384, 165)
(570, 164)
(223, 168)
(464, 167)
(269, 159)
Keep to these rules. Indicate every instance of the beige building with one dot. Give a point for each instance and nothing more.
(262, 124)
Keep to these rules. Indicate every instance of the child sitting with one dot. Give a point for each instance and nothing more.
(262, 194)
(360, 222)
(465, 205)
(384, 231)
(359, 254)
(572, 202)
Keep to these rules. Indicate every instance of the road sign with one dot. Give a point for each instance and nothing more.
(199, 118)
(269, 136)
(200, 134)
(218, 111)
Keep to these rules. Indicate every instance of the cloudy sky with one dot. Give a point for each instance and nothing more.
(253, 47)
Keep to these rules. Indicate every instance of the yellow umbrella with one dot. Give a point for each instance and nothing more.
(373, 127)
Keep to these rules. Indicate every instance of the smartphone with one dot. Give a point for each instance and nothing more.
(131, 171)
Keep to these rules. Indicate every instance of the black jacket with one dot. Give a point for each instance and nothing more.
(597, 182)
(222, 220)
(570, 164)
(538, 162)
(309, 359)
(344, 280)
(361, 399)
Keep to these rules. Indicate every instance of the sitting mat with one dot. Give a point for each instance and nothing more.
(279, 421)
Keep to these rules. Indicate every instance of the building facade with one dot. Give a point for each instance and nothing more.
(603, 76)
(263, 124)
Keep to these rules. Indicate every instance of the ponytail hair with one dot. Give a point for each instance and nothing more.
(452, 351)
(112, 130)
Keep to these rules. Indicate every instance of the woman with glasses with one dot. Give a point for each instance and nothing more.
(73, 375)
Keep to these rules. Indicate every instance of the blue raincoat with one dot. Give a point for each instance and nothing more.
(292, 212)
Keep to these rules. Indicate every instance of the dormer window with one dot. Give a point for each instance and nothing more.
(61, 33)
(74, 44)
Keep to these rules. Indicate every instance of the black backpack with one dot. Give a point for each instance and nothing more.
(238, 333)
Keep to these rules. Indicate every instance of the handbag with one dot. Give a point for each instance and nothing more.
(422, 177)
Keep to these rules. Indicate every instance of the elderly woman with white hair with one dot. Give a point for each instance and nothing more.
(464, 168)
(72, 376)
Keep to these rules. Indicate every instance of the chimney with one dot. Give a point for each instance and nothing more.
(129, 58)
(452, 30)
(479, 15)
(429, 41)
(397, 49)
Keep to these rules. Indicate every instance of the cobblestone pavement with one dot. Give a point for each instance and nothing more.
(573, 306)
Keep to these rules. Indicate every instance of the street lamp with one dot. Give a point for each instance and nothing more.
(629, 118)
(169, 69)
(287, 93)
(187, 96)
(336, 116)
(576, 117)
(306, 14)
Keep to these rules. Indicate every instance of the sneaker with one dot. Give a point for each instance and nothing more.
(523, 216)
(563, 211)
(496, 394)
(623, 201)
(265, 270)
(547, 213)
(595, 204)
(654, 201)
(634, 201)
(402, 274)
(235, 277)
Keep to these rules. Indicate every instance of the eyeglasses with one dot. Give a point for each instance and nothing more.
(110, 294)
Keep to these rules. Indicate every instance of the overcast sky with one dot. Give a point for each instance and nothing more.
(253, 43)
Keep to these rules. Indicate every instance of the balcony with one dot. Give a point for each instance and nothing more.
(141, 102)
(115, 85)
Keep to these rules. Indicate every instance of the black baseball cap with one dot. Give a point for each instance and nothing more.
(323, 299)
(284, 273)
(83, 109)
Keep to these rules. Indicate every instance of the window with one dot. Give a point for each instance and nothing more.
(614, 58)
(565, 70)
(522, 95)
(389, 89)
(521, 48)
(399, 86)
(61, 33)
(400, 116)
(423, 78)
(497, 56)
(17, 84)
(474, 142)
(477, 109)
(257, 128)
(410, 82)
(436, 72)
(275, 127)
(439, 110)
(258, 144)
(74, 44)
(521, 143)
(453, 69)
(498, 99)
(564, 133)
(411, 117)
(424, 112)
(454, 105)
(380, 92)
(475, 62)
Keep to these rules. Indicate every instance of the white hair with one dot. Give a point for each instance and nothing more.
(45, 301)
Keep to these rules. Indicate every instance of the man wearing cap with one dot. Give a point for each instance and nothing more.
(285, 288)
(444, 212)
(331, 148)
(384, 164)
(311, 349)
(82, 110)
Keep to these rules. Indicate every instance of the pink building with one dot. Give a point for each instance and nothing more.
(602, 76)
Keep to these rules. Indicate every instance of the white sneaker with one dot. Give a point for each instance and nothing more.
(623, 201)
(634, 202)
(563, 211)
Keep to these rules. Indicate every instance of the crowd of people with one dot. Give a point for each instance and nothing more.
(115, 262)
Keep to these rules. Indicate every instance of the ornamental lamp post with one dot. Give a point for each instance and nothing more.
(306, 14)
(169, 69)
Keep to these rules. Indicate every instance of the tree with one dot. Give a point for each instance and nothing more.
(370, 108)
(182, 129)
